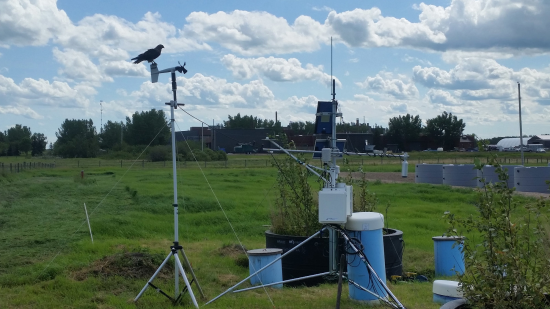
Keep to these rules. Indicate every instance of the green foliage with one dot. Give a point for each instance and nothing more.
(300, 127)
(350, 128)
(38, 143)
(377, 133)
(16, 140)
(364, 200)
(445, 129)
(191, 151)
(508, 267)
(296, 209)
(404, 129)
(112, 134)
(250, 122)
(142, 128)
(159, 153)
(77, 139)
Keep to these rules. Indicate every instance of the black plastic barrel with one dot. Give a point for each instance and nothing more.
(312, 257)
(393, 252)
(309, 259)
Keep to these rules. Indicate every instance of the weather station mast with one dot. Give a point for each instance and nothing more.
(150, 55)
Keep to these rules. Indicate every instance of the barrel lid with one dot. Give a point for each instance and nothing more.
(448, 238)
(447, 288)
(365, 221)
(266, 251)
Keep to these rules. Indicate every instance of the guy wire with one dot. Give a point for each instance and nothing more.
(101, 202)
(223, 211)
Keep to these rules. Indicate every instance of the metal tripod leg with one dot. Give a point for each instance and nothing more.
(174, 253)
(178, 263)
(153, 277)
(186, 261)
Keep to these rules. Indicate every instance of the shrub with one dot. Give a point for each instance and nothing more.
(296, 208)
(159, 153)
(509, 267)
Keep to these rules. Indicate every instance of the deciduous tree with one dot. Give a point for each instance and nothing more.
(77, 138)
(142, 128)
(38, 143)
(111, 135)
(445, 129)
(404, 129)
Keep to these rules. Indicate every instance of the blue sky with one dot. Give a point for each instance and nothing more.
(59, 59)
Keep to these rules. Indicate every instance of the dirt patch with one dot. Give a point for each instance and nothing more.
(389, 177)
(228, 279)
(135, 265)
(233, 251)
(236, 253)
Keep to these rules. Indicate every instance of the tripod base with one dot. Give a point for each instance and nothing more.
(174, 253)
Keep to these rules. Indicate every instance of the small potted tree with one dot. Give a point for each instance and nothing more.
(293, 219)
(507, 265)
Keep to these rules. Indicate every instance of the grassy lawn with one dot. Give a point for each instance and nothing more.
(47, 259)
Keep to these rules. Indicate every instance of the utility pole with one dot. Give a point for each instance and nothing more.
(101, 106)
(202, 136)
(520, 128)
(121, 130)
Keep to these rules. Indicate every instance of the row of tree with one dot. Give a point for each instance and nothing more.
(444, 130)
(19, 140)
(79, 138)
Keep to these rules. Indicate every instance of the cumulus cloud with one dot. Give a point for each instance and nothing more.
(396, 108)
(31, 92)
(398, 87)
(78, 66)
(255, 33)
(209, 91)
(484, 79)
(499, 27)
(368, 28)
(275, 69)
(26, 22)
(322, 8)
(24, 111)
(442, 97)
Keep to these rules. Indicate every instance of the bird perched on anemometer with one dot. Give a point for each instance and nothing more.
(150, 55)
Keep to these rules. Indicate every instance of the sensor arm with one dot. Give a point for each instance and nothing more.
(309, 167)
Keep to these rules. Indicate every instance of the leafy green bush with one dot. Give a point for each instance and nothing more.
(159, 153)
(296, 208)
(509, 268)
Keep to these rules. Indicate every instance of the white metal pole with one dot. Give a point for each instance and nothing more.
(520, 129)
(175, 180)
(202, 136)
(88, 219)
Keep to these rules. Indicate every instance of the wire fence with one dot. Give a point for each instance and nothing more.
(252, 163)
(22, 166)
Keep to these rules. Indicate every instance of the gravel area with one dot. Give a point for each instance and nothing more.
(397, 178)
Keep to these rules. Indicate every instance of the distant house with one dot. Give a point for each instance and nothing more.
(467, 142)
(542, 139)
(229, 138)
(196, 134)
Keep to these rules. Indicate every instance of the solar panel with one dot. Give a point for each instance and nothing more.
(323, 123)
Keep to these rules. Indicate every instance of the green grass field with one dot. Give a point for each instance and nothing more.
(47, 259)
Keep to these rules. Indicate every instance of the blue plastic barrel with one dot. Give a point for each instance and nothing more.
(259, 258)
(367, 228)
(445, 291)
(448, 254)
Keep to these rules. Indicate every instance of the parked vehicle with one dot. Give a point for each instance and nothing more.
(540, 150)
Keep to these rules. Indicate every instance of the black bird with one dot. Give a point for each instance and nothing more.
(150, 55)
